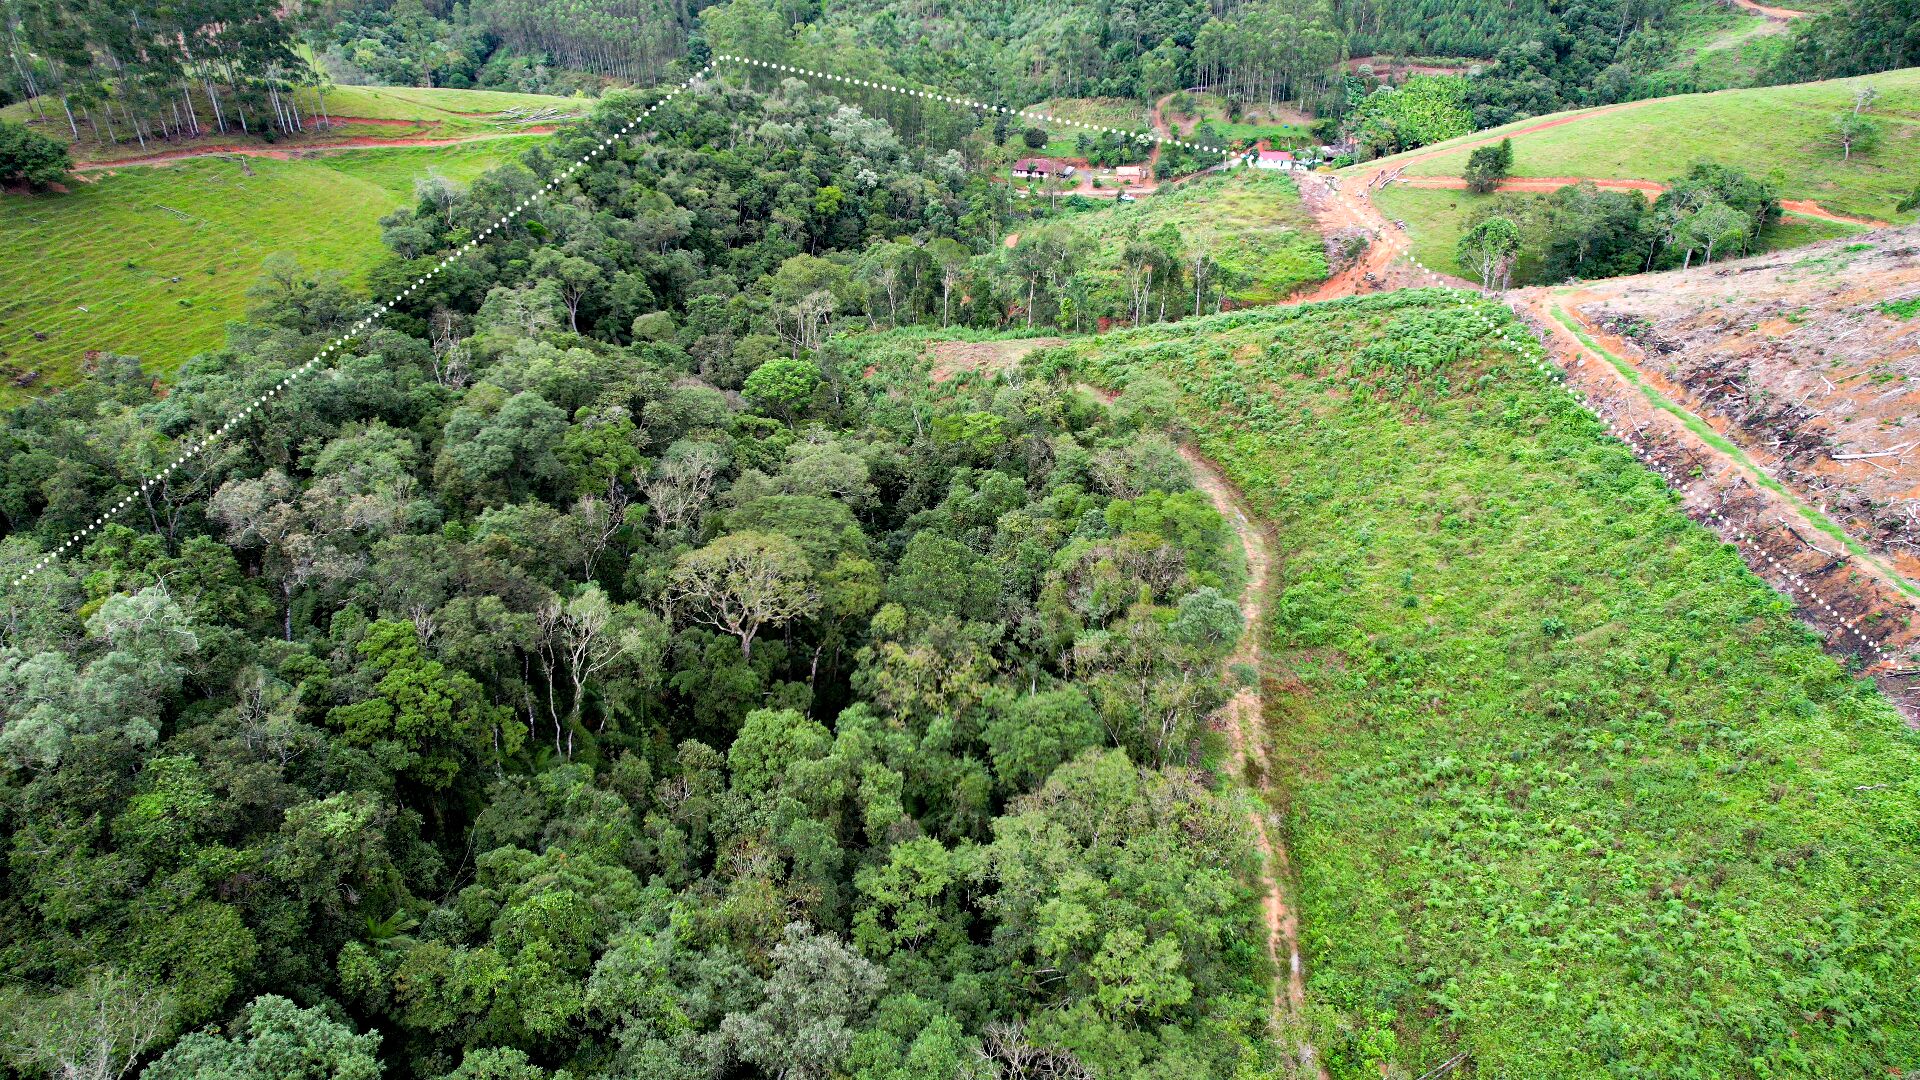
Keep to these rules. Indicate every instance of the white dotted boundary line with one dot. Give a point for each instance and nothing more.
(1524, 346)
(1139, 136)
(1745, 541)
(196, 449)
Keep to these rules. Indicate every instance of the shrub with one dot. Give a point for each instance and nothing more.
(30, 157)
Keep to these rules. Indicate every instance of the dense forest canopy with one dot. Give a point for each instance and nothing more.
(597, 670)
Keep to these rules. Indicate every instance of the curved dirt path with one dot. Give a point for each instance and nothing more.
(1809, 208)
(288, 153)
(1801, 207)
(1244, 721)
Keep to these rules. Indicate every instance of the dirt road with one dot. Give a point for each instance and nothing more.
(1856, 603)
(1244, 720)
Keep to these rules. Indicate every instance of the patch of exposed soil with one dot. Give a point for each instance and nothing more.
(1364, 251)
(951, 358)
(1777, 14)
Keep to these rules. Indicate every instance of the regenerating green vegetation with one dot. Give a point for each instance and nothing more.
(1568, 789)
(154, 262)
(1252, 239)
(624, 663)
(1719, 48)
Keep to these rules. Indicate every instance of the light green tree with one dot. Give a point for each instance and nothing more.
(742, 583)
(1854, 131)
(273, 1039)
(783, 386)
(1489, 250)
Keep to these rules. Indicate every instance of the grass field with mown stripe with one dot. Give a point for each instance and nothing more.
(1775, 128)
(116, 245)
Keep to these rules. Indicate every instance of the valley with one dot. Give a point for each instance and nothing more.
(591, 542)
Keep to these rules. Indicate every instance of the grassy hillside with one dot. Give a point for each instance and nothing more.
(1567, 788)
(1262, 232)
(153, 262)
(1780, 128)
(1719, 47)
(394, 112)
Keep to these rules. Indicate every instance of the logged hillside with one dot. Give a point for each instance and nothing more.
(1810, 360)
(1568, 790)
(155, 262)
(1784, 128)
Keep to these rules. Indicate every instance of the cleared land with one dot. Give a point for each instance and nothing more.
(1784, 128)
(358, 113)
(1260, 230)
(154, 262)
(1809, 361)
(1063, 140)
(1567, 788)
